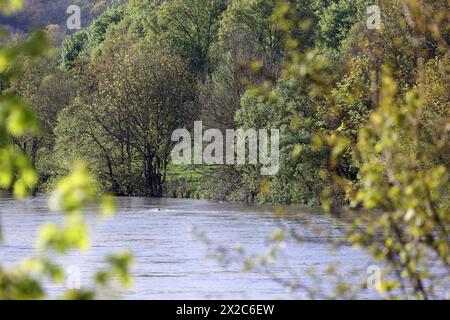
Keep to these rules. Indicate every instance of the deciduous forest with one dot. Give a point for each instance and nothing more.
(363, 112)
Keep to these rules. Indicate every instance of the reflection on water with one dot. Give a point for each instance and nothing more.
(170, 262)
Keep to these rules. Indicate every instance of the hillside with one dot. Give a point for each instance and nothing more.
(45, 13)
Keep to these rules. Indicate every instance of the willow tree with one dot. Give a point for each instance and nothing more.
(142, 96)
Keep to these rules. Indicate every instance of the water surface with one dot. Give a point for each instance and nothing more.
(170, 262)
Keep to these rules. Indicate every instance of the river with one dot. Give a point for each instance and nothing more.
(172, 263)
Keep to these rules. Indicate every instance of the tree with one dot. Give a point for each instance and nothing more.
(141, 98)
(191, 27)
(293, 112)
(72, 48)
(87, 42)
(47, 90)
(140, 19)
(337, 20)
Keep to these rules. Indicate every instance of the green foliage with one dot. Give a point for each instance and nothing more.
(11, 56)
(140, 19)
(251, 21)
(338, 18)
(400, 177)
(130, 118)
(47, 90)
(16, 118)
(383, 149)
(72, 48)
(191, 27)
(119, 268)
(16, 172)
(87, 42)
(292, 111)
(99, 27)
